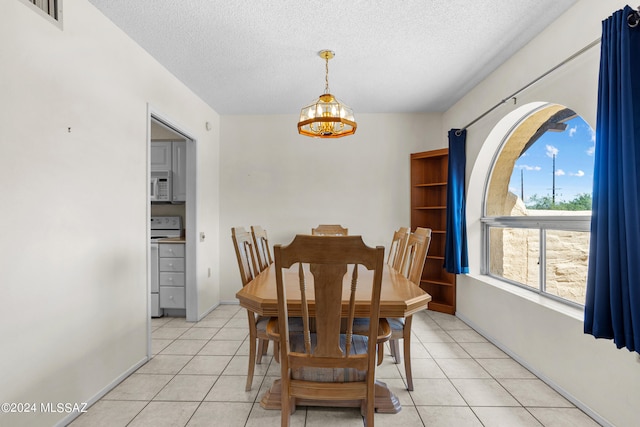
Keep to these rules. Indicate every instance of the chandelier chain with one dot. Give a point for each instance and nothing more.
(326, 75)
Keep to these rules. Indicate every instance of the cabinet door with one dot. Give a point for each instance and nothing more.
(179, 167)
(160, 155)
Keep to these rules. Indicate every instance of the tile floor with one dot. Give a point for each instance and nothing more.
(198, 373)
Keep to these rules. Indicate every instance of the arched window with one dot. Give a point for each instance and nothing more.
(537, 206)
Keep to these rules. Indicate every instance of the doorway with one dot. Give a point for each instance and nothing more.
(163, 128)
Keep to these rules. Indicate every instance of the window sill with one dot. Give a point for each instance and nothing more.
(549, 303)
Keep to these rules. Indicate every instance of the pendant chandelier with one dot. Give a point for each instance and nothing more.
(327, 117)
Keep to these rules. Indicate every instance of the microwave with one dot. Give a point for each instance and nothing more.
(160, 186)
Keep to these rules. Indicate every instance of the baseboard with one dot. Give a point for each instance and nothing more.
(579, 404)
(73, 415)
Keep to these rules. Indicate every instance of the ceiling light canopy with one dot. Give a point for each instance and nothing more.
(327, 117)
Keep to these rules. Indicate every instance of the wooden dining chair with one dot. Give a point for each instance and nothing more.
(397, 248)
(412, 265)
(329, 230)
(327, 362)
(261, 242)
(243, 244)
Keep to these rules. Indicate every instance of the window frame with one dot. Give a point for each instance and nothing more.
(580, 223)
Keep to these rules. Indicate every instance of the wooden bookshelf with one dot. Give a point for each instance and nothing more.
(428, 209)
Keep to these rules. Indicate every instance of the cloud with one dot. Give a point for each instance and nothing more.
(559, 172)
(591, 150)
(573, 131)
(529, 168)
(552, 151)
(593, 135)
(578, 174)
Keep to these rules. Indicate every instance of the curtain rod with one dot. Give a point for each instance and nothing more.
(633, 19)
(531, 83)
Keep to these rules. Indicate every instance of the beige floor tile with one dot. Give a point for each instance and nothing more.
(199, 334)
(220, 348)
(435, 392)
(462, 368)
(466, 335)
(448, 322)
(533, 392)
(206, 365)
(184, 347)
(399, 388)
(109, 413)
(232, 389)
(206, 386)
(388, 370)
(260, 417)
(321, 417)
(168, 333)
(159, 344)
(562, 417)
(448, 416)
(159, 321)
(192, 388)
(212, 322)
(483, 392)
(483, 350)
(165, 414)
(427, 336)
(237, 334)
(227, 414)
(407, 417)
(164, 364)
(422, 368)
(505, 417)
(139, 387)
(446, 350)
(178, 322)
(236, 322)
(505, 368)
(240, 364)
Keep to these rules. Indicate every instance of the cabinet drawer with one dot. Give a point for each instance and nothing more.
(171, 279)
(172, 297)
(171, 264)
(169, 250)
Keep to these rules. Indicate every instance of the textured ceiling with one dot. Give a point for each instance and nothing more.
(261, 57)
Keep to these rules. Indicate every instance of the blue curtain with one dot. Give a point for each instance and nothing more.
(456, 259)
(612, 308)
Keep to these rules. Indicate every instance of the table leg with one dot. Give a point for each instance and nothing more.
(386, 401)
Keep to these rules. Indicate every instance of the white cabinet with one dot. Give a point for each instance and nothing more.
(171, 156)
(179, 167)
(172, 275)
(161, 154)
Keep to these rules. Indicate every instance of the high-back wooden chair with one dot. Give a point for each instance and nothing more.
(397, 248)
(329, 230)
(261, 242)
(243, 244)
(415, 254)
(328, 362)
(412, 266)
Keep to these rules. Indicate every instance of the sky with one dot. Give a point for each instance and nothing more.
(574, 149)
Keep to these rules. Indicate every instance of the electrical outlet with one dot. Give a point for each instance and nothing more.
(202, 236)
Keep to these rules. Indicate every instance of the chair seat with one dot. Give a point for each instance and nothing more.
(358, 346)
(361, 326)
(295, 324)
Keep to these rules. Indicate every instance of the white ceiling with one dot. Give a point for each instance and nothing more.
(261, 57)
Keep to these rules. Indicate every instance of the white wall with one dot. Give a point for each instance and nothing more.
(73, 164)
(289, 183)
(545, 336)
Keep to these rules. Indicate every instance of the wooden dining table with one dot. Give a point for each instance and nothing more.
(399, 298)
